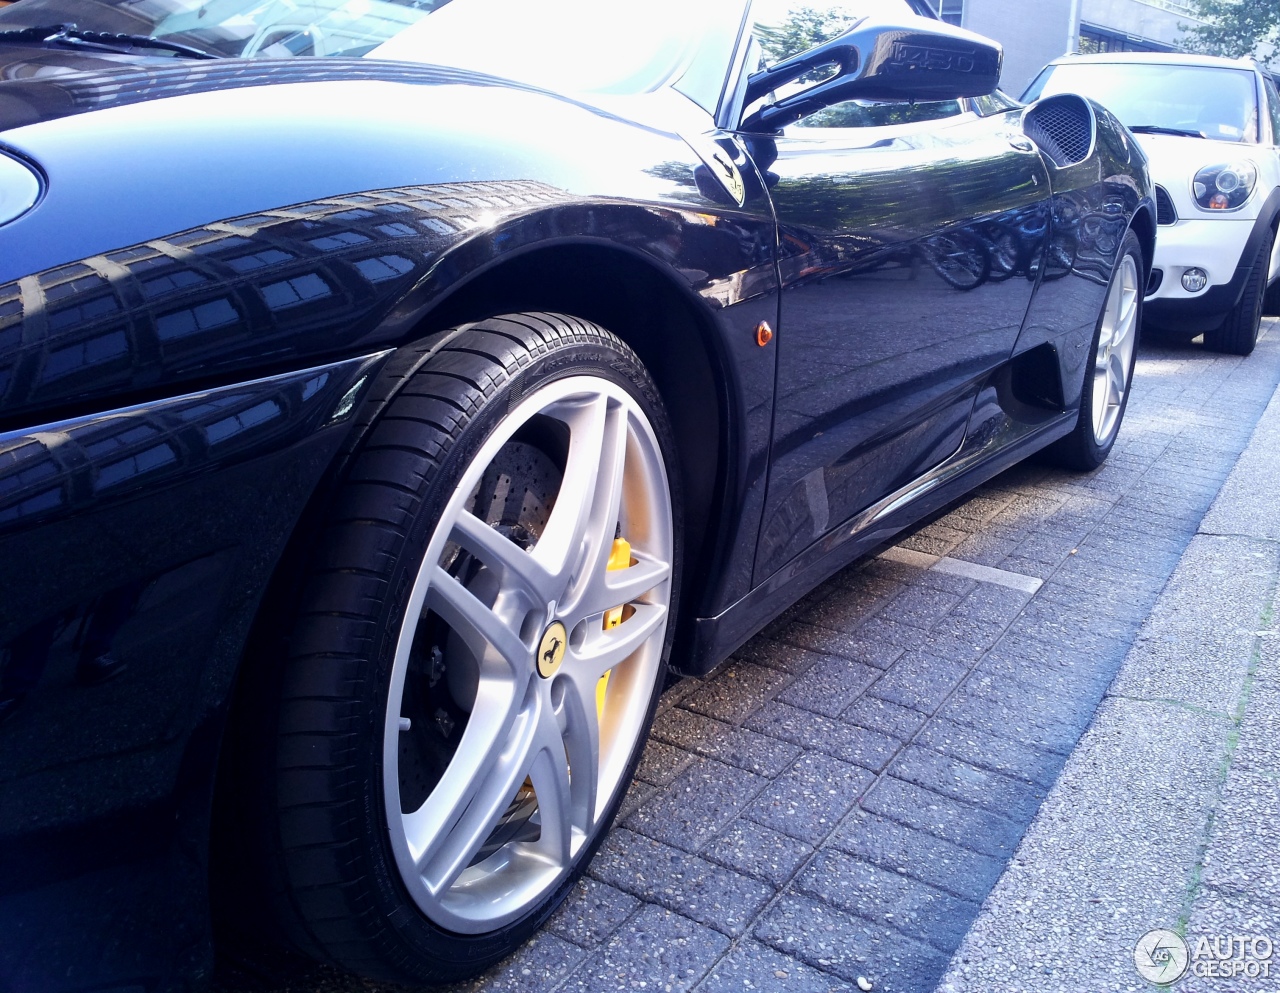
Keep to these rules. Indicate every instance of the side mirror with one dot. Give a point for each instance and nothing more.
(914, 58)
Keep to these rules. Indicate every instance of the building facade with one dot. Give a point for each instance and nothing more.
(1035, 31)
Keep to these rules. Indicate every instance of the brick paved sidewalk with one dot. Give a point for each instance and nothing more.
(1168, 813)
(837, 801)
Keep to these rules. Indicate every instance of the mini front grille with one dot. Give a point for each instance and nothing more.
(1063, 128)
(1165, 212)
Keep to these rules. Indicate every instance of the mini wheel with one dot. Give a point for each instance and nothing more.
(1238, 333)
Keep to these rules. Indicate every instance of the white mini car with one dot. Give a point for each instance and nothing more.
(1210, 127)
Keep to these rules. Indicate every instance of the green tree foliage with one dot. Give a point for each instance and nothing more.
(804, 28)
(1235, 28)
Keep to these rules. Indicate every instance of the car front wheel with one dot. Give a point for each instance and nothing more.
(478, 651)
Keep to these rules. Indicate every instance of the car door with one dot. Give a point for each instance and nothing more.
(909, 237)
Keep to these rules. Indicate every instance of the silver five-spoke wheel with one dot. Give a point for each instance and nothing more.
(548, 632)
(1116, 341)
(475, 649)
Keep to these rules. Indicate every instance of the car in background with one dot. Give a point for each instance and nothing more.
(391, 391)
(1211, 128)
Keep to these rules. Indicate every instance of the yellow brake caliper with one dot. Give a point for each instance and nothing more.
(619, 558)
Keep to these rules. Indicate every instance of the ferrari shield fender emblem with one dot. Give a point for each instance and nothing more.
(720, 165)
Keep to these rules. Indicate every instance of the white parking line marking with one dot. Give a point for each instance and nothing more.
(958, 567)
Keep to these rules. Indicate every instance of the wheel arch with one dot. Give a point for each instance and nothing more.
(625, 291)
(672, 331)
(1143, 224)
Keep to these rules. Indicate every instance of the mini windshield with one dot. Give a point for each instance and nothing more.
(1218, 103)
(600, 46)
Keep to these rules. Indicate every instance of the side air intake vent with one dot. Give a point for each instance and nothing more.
(1063, 127)
(1165, 212)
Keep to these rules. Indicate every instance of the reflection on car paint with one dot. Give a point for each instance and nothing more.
(185, 305)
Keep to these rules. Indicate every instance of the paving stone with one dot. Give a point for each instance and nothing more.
(937, 539)
(1259, 746)
(985, 549)
(1047, 549)
(661, 762)
(947, 583)
(844, 741)
(961, 639)
(912, 907)
(1013, 711)
(807, 801)
(758, 851)
(919, 681)
(775, 654)
(1246, 836)
(969, 827)
(920, 607)
(1013, 798)
(1085, 660)
(992, 604)
(737, 689)
(700, 890)
(959, 871)
(540, 964)
(851, 947)
(874, 651)
(830, 686)
(1005, 665)
(698, 803)
(732, 745)
(677, 692)
(890, 632)
(846, 611)
(592, 912)
(884, 717)
(752, 966)
(656, 949)
(989, 751)
(1217, 913)
(1028, 567)
(884, 575)
(638, 794)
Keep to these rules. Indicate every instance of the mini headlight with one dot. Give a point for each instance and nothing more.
(19, 188)
(1225, 187)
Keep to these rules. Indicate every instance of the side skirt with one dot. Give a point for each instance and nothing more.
(983, 455)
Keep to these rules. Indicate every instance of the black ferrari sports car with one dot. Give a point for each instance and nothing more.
(393, 391)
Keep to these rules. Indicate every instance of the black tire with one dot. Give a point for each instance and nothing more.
(1082, 450)
(1271, 305)
(1238, 333)
(341, 898)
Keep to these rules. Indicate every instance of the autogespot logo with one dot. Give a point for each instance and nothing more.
(1161, 957)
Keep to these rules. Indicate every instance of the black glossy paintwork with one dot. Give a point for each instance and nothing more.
(137, 544)
(890, 312)
(192, 324)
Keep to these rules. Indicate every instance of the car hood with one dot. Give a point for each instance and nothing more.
(137, 151)
(1175, 160)
(38, 85)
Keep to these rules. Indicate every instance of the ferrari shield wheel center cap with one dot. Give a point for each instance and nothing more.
(551, 650)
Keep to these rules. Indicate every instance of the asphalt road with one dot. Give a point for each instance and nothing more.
(838, 800)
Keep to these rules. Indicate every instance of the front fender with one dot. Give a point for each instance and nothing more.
(239, 256)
